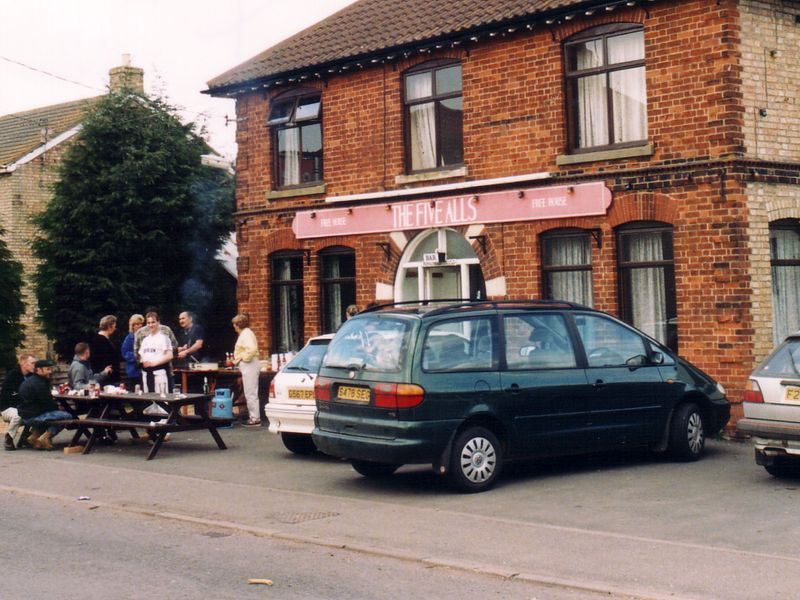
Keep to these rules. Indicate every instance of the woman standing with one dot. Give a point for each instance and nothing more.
(132, 369)
(245, 354)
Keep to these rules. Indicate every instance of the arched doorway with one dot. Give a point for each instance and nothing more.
(439, 264)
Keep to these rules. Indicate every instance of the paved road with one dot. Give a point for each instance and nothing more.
(58, 548)
(622, 524)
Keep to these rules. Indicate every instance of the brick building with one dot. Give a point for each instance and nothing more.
(32, 144)
(642, 157)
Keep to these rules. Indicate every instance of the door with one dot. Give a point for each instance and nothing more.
(547, 388)
(625, 403)
(442, 283)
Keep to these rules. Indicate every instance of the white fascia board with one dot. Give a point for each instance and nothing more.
(432, 189)
(32, 155)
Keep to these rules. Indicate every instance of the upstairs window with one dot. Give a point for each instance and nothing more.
(606, 93)
(434, 116)
(296, 127)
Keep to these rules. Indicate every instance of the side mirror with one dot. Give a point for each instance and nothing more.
(636, 361)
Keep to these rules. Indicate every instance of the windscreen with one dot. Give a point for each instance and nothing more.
(784, 362)
(377, 343)
(309, 358)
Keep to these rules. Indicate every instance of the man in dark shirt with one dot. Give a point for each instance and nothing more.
(104, 352)
(38, 408)
(190, 339)
(8, 397)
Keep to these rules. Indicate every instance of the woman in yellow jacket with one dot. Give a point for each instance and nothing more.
(245, 355)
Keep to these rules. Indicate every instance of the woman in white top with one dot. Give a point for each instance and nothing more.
(245, 355)
(155, 354)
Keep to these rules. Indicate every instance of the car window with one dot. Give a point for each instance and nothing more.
(371, 343)
(784, 362)
(537, 341)
(465, 344)
(608, 343)
(309, 358)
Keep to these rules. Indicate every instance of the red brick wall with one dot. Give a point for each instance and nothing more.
(514, 123)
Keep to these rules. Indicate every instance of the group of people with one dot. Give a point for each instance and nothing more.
(148, 352)
(26, 398)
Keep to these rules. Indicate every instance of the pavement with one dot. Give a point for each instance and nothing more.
(627, 525)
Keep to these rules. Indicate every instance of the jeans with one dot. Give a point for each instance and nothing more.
(39, 422)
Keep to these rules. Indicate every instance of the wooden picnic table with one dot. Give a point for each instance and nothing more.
(109, 413)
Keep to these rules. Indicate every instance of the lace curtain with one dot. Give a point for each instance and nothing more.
(423, 123)
(648, 289)
(290, 310)
(573, 286)
(289, 148)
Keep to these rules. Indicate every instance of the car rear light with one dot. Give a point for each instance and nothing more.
(753, 392)
(398, 395)
(322, 389)
(272, 390)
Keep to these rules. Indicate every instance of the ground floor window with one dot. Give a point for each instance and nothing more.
(784, 247)
(338, 284)
(647, 280)
(567, 266)
(287, 302)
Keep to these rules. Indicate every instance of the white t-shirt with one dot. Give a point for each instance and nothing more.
(154, 347)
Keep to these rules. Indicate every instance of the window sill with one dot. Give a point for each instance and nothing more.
(574, 159)
(309, 190)
(431, 176)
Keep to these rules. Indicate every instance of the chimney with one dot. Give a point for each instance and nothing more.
(126, 77)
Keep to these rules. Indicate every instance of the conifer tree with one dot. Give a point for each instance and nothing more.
(11, 306)
(130, 209)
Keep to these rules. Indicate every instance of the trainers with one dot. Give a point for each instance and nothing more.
(8, 443)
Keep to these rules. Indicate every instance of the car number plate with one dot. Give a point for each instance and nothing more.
(354, 394)
(300, 394)
(793, 394)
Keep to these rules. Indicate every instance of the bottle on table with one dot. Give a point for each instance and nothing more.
(206, 388)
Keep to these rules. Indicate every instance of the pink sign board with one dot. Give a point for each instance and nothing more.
(532, 204)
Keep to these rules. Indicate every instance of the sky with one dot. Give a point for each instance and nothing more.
(54, 51)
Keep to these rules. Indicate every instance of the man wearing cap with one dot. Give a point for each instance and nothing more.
(38, 408)
(9, 399)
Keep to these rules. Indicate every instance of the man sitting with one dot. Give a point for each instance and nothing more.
(38, 408)
(9, 399)
(80, 371)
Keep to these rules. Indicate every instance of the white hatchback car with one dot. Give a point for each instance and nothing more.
(772, 410)
(291, 405)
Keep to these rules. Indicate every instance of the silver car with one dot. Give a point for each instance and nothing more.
(772, 410)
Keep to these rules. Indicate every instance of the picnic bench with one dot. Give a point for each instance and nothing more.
(109, 413)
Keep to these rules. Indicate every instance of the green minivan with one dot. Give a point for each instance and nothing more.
(467, 386)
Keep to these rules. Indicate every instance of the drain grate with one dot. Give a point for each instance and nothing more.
(293, 518)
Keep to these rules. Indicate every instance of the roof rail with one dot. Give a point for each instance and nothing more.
(454, 304)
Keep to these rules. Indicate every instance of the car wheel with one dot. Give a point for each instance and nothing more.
(687, 436)
(476, 461)
(373, 470)
(784, 469)
(298, 443)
